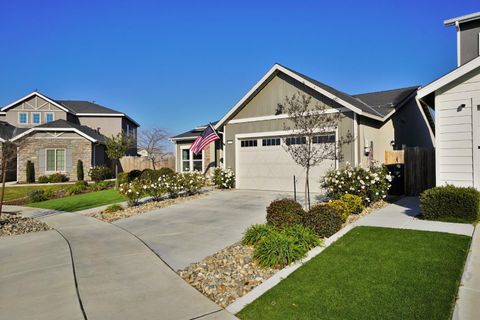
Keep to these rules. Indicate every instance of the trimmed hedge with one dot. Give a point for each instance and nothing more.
(353, 202)
(80, 175)
(450, 203)
(284, 212)
(30, 172)
(323, 219)
(341, 207)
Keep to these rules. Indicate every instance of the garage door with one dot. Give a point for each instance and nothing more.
(264, 164)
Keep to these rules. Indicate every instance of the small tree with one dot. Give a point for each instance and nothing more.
(117, 147)
(153, 141)
(8, 154)
(80, 175)
(309, 143)
(30, 172)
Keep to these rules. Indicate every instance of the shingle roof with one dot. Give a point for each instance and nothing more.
(342, 95)
(383, 102)
(80, 106)
(6, 130)
(62, 124)
(192, 133)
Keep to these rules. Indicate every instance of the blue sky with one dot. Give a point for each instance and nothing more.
(178, 64)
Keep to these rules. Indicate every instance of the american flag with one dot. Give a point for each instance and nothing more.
(208, 135)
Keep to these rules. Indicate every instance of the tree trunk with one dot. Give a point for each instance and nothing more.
(153, 164)
(307, 189)
(4, 177)
(116, 174)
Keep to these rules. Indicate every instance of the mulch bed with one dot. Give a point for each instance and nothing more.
(11, 224)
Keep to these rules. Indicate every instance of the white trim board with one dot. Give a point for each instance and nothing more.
(38, 95)
(280, 116)
(282, 69)
(54, 129)
(448, 78)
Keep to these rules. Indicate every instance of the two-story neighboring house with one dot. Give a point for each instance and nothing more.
(55, 134)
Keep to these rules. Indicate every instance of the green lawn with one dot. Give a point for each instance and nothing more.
(372, 273)
(81, 201)
(12, 193)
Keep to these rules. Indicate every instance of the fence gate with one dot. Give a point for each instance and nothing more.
(419, 170)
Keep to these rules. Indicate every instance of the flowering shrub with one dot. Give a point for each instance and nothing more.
(132, 191)
(370, 184)
(171, 184)
(223, 179)
(154, 189)
(192, 182)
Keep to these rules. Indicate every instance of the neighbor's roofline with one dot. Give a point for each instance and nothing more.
(276, 67)
(54, 129)
(59, 105)
(461, 19)
(448, 78)
(35, 93)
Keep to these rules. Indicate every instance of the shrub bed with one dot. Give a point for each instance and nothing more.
(223, 179)
(450, 203)
(324, 219)
(56, 177)
(370, 184)
(284, 212)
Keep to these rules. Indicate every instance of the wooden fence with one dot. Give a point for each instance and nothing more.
(140, 163)
(418, 168)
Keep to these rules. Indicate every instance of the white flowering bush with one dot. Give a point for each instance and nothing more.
(192, 182)
(223, 179)
(370, 184)
(171, 184)
(133, 191)
(155, 189)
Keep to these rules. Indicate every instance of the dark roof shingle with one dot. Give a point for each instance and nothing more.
(79, 106)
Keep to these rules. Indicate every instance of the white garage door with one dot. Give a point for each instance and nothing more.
(264, 164)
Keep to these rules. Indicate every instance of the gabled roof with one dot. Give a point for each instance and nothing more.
(462, 19)
(352, 103)
(63, 125)
(424, 93)
(75, 107)
(7, 131)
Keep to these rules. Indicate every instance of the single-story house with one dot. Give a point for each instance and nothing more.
(252, 131)
(455, 101)
(55, 134)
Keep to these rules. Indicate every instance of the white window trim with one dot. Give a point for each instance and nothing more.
(190, 159)
(39, 117)
(26, 113)
(47, 113)
(64, 160)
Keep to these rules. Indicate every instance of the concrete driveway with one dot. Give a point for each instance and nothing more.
(187, 232)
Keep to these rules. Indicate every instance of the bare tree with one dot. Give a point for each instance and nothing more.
(8, 154)
(310, 141)
(153, 141)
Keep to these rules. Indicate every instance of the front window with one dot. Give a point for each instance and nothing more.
(49, 117)
(191, 161)
(36, 117)
(55, 160)
(23, 118)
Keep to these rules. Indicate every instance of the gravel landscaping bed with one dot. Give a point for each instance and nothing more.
(12, 225)
(227, 275)
(142, 208)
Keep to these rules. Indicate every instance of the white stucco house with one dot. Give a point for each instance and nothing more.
(454, 99)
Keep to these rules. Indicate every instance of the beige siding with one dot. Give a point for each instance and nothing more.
(108, 126)
(30, 106)
(457, 129)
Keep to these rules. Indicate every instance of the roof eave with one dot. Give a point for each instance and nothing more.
(462, 19)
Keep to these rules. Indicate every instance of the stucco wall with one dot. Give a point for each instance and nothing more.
(32, 105)
(33, 148)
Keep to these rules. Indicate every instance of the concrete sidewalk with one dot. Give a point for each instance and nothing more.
(401, 215)
(118, 276)
(36, 278)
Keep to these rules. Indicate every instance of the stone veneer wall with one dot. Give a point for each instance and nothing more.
(77, 148)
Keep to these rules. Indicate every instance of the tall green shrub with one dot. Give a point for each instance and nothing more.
(284, 212)
(80, 176)
(30, 172)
